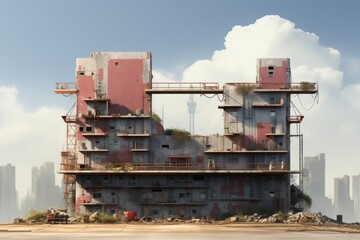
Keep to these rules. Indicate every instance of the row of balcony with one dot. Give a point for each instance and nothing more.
(211, 165)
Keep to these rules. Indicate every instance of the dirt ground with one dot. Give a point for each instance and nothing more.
(143, 227)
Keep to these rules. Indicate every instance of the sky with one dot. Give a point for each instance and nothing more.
(201, 40)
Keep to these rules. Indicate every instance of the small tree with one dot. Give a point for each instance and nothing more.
(156, 117)
(244, 89)
(297, 197)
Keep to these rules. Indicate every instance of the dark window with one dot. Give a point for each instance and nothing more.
(96, 195)
(89, 129)
(271, 71)
(165, 146)
(116, 64)
(81, 129)
(273, 129)
(155, 212)
(113, 194)
(198, 178)
(156, 190)
(193, 211)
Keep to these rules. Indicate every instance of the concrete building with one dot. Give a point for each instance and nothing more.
(8, 194)
(314, 184)
(356, 196)
(119, 157)
(343, 204)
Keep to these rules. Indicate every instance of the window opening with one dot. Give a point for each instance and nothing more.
(96, 195)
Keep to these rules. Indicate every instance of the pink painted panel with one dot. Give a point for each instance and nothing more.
(85, 85)
(262, 130)
(126, 87)
(278, 80)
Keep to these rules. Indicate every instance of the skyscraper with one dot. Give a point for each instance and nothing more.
(342, 203)
(44, 192)
(356, 196)
(314, 183)
(8, 195)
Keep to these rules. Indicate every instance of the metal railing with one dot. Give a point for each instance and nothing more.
(65, 86)
(129, 167)
(185, 86)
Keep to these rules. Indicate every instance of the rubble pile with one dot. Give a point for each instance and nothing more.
(59, 216)
(51, 215)
(289, 218)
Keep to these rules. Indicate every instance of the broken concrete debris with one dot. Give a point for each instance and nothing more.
(51, 215)
(59, 216)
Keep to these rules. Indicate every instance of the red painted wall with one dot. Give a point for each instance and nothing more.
(126, 87)
(262, 130)
(85, 85)
(279, 77)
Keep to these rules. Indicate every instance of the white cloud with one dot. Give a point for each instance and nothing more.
(352, 65)
(325, 126)
(28, 138)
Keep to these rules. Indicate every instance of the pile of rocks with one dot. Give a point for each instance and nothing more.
(38, 217)
(290, 218)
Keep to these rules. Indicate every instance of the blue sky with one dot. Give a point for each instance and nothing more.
(40, 40)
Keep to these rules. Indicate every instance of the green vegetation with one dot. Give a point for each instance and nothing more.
(307, 86)
(297, 196)
(156, 117)
(244, 89)
(280, 216)
(36, 216)
(119, 166)
(179, 134)
(107, 218)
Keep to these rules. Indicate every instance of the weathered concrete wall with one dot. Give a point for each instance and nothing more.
(181, 195)
(127, 163)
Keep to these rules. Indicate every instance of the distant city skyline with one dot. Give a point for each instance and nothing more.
(342, 203)
(44, 193)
